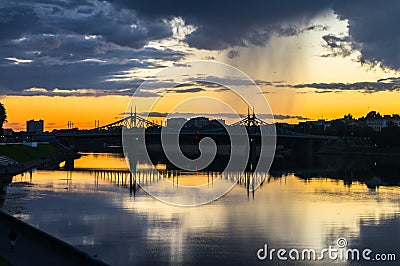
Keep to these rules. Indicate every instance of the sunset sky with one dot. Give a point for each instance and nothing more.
(82, 61)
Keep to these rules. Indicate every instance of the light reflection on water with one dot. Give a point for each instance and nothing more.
(103, 218)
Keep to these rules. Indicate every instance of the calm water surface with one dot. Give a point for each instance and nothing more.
(93, 212)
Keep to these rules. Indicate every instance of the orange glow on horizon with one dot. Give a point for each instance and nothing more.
(57, 111)
(83, 111)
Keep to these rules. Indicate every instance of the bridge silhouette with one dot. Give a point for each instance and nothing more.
(133, 120)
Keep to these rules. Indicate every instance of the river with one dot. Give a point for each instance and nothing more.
(98, 214)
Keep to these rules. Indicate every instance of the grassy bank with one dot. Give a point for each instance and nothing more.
(22, 153)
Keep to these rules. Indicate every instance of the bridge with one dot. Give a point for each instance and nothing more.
(133, 120)
(108, 138)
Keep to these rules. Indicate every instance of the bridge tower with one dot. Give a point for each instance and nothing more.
(251, 120)
(134, 117)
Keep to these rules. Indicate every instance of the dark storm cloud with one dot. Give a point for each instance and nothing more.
(20, 77)
(386, 84)
(81, 92)
(160, 87)
(264, 83)
(153, 114)
(94, 44)
(282, 117)
(189, 90)
(233, 53)
(223, 24)
(214, 81)
(324, 91)
(373, 30)
(14, 21)
(357, 86)
(205, 84)
(373, 25)
(390, 80)
(121, 27)
(293, 30)
(223, 115)
(64, 49)
(338, 46)
(74, 45)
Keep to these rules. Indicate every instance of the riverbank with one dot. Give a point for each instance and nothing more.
(26, 157)
(35, 247)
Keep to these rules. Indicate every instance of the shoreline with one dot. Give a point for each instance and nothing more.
(36, 247)
(50, 160)
(33, 245)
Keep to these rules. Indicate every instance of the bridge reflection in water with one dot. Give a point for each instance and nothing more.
(124, 178)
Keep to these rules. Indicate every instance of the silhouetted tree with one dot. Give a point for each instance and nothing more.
(3, 117)
(372, 115)
(348, 116)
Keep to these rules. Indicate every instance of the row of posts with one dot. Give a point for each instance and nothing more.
(147, 177)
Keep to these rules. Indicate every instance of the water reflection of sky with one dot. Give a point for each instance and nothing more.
(103, 218)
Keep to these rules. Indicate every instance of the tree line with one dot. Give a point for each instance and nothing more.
(389, 136)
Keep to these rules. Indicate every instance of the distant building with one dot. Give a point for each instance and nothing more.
(8, 132)
(350, 121)
(198, 122)
(176, 122)
(286, 125)
(217, 123)
(320, 123)
(33, 126)
(395, 120)
(376, 123)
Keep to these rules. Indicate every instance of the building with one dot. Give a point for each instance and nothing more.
(395, 120)
(8, 132)
(175, 122)
(35, 127)
(376, 124)
(217, 123)
(286, 125)
(198, 122)
(322, 123)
